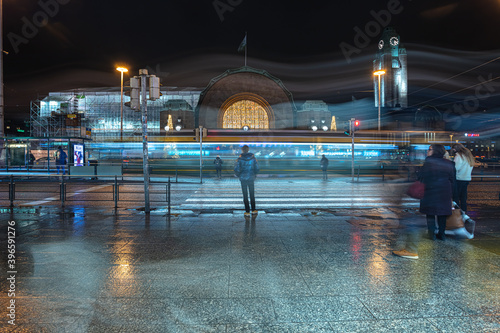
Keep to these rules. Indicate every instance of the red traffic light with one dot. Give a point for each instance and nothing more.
(356, 123)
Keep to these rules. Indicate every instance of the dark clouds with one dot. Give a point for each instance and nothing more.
(297, 41)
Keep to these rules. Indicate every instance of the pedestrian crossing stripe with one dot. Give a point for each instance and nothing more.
(292, 199)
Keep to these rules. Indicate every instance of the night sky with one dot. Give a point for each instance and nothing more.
(187, 43)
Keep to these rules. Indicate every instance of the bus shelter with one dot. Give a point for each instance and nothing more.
(39, 153)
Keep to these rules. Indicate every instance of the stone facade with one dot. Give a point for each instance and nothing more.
(246, 83)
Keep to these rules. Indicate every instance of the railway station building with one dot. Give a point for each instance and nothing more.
(241, 98)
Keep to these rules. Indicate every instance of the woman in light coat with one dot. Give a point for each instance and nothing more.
(464, 162)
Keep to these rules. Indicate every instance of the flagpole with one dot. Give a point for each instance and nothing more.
(243, 45)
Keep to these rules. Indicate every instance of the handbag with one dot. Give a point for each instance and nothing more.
(416, 190)
(454, 221)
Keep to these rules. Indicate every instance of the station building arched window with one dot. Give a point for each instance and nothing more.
(245, 113)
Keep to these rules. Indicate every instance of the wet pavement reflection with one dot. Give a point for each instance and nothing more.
(100, 270)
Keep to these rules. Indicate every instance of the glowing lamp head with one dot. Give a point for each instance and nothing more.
(122, 69)
(378, 73)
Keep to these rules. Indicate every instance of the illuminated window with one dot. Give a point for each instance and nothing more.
(245, 113)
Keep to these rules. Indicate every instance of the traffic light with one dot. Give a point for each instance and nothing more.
(134, 93)
(347, 128)
(204, 133)
(356, 125)
(154, 87)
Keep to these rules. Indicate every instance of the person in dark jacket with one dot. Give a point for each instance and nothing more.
(246, 168)
(218, 166)
(438, 175)
(61, 160)
(324, 166)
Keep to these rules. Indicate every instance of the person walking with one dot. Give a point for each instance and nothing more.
(246, 168)
(218, 166)
(324, 166)
(438, 175)
(61, 160)
(464, 163)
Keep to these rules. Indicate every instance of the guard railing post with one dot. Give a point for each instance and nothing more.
(62, 191)
(115, 192)
(168, 195)
(12, 191)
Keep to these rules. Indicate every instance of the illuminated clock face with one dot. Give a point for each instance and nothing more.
(394, 41)
(381, 44)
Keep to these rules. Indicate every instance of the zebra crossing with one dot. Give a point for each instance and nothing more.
(272, 193)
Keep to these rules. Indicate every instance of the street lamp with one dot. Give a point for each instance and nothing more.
(379, 74)
(121, 70)
(1, 73)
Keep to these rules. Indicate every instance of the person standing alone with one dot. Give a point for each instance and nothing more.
(324, 166)
(61, 160)
(246, 168)
(218, 166)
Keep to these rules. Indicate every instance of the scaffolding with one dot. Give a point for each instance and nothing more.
(56, 115)
(70, 113)
(44, 125)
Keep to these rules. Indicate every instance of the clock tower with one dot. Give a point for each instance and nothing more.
(391, 58)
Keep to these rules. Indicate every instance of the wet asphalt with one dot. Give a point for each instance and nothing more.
(316, 258)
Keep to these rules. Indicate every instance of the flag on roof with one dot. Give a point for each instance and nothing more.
(243, 44)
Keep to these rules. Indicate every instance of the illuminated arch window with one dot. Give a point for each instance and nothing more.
(245, 113)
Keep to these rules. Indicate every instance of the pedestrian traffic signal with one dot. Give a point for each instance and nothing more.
(197, 134)
(154, 88)
(134, 93)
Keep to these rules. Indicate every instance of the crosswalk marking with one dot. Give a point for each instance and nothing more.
(289, 199)
(299, 194)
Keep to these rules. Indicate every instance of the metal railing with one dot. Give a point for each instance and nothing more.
(68, 189)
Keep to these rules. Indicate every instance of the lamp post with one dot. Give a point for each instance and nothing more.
(1, 73)
(379, 74)
(121, 70)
